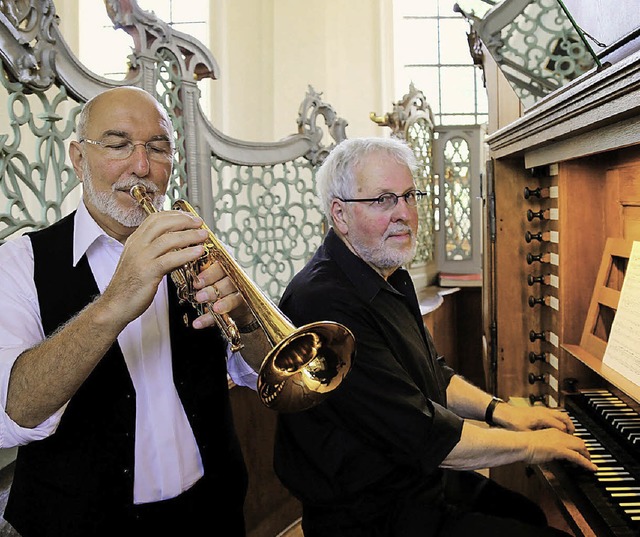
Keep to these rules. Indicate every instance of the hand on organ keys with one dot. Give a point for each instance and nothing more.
(619, 484)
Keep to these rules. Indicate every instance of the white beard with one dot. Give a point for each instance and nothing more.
(382, 257)
(106, 202)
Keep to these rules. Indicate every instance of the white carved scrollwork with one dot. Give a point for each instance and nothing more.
(313, 106)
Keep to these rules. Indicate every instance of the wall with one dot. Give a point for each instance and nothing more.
(270, 51)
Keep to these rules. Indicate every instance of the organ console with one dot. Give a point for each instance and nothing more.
(528, 236)
(582, 148)
(533, 336)
(541, 214)
(532, 280)
(544, 279)
(540, 258)
(539, 300)
(533, 399)
(610, 426)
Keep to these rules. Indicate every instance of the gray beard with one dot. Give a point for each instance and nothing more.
(384, 258)
(106, 202)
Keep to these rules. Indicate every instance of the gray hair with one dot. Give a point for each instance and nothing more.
(83, 119)
(336, 178)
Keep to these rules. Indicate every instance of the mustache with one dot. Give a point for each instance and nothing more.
(397, 228)
(130, 182)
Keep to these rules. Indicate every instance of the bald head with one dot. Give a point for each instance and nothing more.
(126, 98)
(125, 138)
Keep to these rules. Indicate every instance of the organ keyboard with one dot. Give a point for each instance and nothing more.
(608, 501)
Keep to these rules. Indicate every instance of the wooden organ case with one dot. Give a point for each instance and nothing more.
(563, 208)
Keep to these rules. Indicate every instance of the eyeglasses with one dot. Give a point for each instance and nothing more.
(389, 200)
(121, 148)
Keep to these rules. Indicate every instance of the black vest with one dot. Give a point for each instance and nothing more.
(81, 477)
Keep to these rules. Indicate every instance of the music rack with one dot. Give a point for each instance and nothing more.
(602, 310)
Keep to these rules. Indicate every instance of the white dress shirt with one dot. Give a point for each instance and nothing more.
(167, 460)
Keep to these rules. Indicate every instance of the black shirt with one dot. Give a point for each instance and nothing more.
(386, 429)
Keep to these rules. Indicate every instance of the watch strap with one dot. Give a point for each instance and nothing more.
(488, 414)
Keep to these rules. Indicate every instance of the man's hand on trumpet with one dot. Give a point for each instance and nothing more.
(159, 245)
(218, 289)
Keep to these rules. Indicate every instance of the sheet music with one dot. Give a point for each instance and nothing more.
(623, 349)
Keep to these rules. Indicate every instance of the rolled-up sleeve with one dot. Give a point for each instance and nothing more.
(20, 330)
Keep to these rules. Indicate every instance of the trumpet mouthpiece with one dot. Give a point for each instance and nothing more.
(137, 190)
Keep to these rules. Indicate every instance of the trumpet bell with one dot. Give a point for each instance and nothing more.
(304, 364)
(301, 370)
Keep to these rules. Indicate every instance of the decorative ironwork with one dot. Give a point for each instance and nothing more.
(473, 41)
(536, 45)
(270, 216)
(313, 106)
(168, 93)
(35, 180)
(150, 34)
(258, 197)
(412, 120)
(34, 32)
(457, 200)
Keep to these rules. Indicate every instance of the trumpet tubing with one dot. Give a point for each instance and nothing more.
(305, 364)
(184, 277)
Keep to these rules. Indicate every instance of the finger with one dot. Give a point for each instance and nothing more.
(227, 303)
(148, 245)
(562, 421)
(566, 420)
(210, 275)
(212, 293)
(582, 449)
(581, 460)
(550, 418)
(231, 303)
(158, 224)
(556, 422)
(176, 240)
(204, 321)
(174, 259)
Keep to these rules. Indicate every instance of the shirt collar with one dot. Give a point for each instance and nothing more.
(363, 276)
(85, 233)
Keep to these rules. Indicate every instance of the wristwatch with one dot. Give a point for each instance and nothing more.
(488, 414)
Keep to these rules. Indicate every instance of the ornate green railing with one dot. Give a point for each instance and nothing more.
(258, 198)
(537, 46)
(412, 120)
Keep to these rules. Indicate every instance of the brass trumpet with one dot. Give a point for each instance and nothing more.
(304, 365)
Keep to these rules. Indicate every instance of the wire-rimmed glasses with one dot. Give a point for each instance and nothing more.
(389, 200)
(116, 148)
